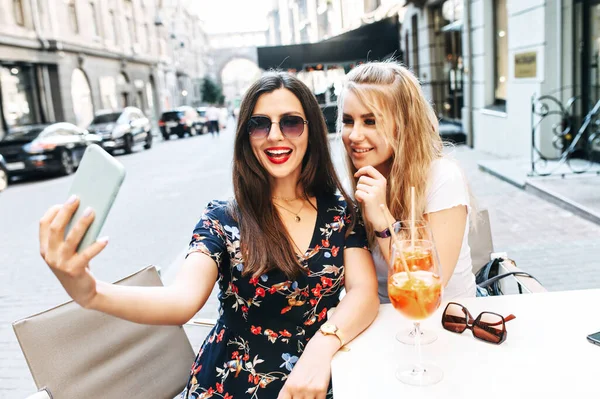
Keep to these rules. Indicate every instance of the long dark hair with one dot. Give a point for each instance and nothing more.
(265, 242)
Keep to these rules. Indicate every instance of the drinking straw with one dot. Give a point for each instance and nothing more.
(412, 216)
(396, 240)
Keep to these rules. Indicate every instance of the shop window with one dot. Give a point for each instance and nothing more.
(81, 94)
(19, 105)
(19, 14)
(500, 53)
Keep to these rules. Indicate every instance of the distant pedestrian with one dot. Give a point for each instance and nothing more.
(212, 114)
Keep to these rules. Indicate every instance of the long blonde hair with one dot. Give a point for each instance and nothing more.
(409, 124)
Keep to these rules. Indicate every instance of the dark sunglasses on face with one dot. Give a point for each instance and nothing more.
(291, 126)
(488, 326)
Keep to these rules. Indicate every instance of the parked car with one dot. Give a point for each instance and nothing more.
(123, 129)
(55, 148)
(180, 121)
(3, 174)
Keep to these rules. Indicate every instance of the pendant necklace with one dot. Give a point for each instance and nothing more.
(297, 218)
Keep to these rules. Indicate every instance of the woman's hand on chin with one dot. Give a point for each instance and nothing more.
(371, 189)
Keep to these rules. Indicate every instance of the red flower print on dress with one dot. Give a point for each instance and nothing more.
(228, 396)
(286, 309)
(245, 309)
(197, 369)
(317, 290)
(235, 354)
(285, 333)
(260, 292)
(323, 314)
(325, 243)
(219, 387)
(326, 281)
(337, 218)
(254, 281)
(313, 302)
(334, 251)
(234, 289)
(256, 330)
(210, 392)
(272, 290)
(246, 357)
(256, 379)
(220, 335)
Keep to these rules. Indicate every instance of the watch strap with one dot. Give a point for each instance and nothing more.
(385, 233)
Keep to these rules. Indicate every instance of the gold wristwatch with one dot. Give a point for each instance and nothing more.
(331, 329)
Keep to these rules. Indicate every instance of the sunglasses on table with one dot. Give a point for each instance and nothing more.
(489, 327)
(291, 126)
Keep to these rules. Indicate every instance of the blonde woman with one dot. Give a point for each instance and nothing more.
(391, 137)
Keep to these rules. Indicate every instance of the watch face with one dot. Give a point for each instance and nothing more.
(328, 328)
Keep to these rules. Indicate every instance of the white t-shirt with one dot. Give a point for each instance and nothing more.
(447, 189)
(212, 114)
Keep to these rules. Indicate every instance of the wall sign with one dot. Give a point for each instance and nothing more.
(526, 65)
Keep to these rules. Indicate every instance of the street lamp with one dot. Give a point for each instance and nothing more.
(184, 93)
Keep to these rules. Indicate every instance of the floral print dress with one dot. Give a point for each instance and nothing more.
(266, 322)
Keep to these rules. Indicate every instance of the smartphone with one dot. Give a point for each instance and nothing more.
(594, 338)
(96, 183)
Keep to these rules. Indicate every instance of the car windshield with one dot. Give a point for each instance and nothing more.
(202, 112)
(106, 118)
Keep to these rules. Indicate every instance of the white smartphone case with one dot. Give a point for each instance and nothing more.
(97, 182)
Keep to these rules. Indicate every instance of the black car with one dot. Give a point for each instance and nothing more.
(123, 129)
(3, 174)
(56, 148)
(180, 121)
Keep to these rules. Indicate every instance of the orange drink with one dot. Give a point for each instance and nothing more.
(416, 297)
(416, 259)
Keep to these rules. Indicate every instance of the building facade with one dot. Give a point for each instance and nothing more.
(65, 60)
(311, 21)
(483, 61)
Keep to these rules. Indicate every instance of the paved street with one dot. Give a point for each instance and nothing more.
(166, 189)
(158, 206)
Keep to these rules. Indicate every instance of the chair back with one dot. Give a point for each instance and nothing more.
(78, 353)
(480, 240)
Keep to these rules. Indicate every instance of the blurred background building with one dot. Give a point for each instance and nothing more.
(481, 62)
(67, 59)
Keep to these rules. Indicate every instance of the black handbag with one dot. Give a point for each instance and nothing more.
(488, 278)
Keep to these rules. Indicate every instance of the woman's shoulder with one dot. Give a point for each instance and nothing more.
(445, 166)
(447, 185)
(443, 171)
(217, 209)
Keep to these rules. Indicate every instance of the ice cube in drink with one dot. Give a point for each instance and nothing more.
(416, 259)
(416, 297)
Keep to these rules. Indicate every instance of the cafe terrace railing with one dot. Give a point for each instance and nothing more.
(574, 141)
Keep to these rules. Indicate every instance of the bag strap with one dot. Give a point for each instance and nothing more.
(492, 280)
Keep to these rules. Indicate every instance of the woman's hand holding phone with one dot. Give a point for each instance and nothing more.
(60, 252)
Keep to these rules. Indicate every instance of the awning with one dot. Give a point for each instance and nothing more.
(374, 41)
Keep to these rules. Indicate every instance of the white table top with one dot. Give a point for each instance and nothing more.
(546, 353)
